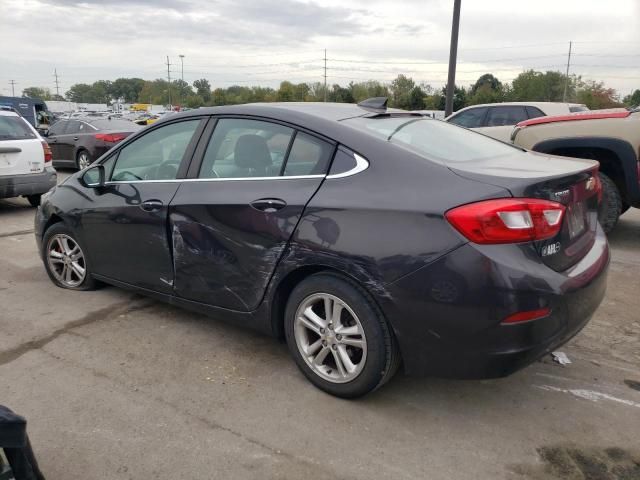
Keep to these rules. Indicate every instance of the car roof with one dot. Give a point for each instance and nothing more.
(8, 113)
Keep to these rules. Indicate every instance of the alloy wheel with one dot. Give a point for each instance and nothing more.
(330, 338)
(83, 160)
(66, 260)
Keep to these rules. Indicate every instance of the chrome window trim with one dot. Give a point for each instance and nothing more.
(229, 179)
(361, 165)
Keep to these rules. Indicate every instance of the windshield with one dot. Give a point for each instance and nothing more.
(14, 128)
(433, 139)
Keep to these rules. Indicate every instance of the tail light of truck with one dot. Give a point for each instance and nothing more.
(48, 155)
(508, 220)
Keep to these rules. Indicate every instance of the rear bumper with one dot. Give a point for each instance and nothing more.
(447, 316)
(28, 184)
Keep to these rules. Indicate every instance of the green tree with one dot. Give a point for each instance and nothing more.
(596, 96)
(633, 99)
(203, 89)
(486, 81)
(79, 92)
(459, 98)
(416, 99)
(37, 92)
(542, 87)
(126, 89)
(194, 101)
(401, 88)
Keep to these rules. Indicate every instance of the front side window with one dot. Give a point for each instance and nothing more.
(472, 118)
(506, 116)
(241, 148)
(156, 155)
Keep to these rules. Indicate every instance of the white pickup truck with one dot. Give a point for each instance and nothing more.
(25, 160)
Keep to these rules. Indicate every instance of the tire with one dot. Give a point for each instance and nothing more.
(34, 200)
(58, 238)
(83, 159)
(610, 208)
(372, 363)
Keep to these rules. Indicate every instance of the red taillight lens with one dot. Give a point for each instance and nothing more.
(507, 220)
(598, 186)
(111, 137)
(527, 316)
(48, 155)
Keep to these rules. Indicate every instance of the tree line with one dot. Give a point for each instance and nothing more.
(403, 92)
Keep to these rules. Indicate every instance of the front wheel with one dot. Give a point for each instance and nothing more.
(65, 260)
(338, 336)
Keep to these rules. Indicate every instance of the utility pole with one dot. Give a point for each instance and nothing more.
(182, 86)
(325, 74)
(55, 74)
(169, 80)
(13, 89)
(453, 54)
(566, 80)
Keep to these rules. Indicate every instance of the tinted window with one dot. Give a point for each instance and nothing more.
(578, 108)
(470, 118)
(73, 126)
(14, 128)
(308, 156)
(156, 155)
(115, 124)
(433, 139)
(504, 116)
(58, 127)
(535, 112)
(343, 161)
(245, 148)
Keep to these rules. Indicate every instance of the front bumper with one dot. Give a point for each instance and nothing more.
(28, 184)
(447, 316)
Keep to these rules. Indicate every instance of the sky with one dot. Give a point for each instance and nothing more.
(262, 42)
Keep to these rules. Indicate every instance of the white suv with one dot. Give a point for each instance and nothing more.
(25, 160)
(498, 119)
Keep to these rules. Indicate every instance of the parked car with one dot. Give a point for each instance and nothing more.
(79, 141)
(33, 110)
(610, 136)
(498, 119)
(361, 235)
(25, 160)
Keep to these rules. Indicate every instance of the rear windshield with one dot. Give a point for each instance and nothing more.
(14, 128)
(433, 139)
(115, 124)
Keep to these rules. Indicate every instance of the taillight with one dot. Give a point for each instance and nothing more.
(48, 155)
(598, 186)
(507, 220)
(527, 316)
(111, 137)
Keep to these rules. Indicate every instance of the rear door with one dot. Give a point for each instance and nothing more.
(55, 131)
(231, 223)
(21, 150)
(125, 226)
(67, 139)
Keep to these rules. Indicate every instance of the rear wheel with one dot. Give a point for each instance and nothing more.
(65, 259)
(338, 336)
(83, 160)
(34, 200)
(610, 208)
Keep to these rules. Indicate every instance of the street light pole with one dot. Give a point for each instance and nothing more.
(182, 75)
(453, 53)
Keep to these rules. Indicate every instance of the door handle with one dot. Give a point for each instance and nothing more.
(75, 139)
(268, 205)
(151, 205)
(10, 150)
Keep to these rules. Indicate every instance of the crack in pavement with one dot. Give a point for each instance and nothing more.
(15, 234)
(8, 356)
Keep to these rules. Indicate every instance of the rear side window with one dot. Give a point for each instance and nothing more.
(535, 112)
(506, 116)
(73, 126)
(243, 148)
(308, 156)
(578, 108)
(14, 128)
(58, 127)
(432, 139)
(473, 118)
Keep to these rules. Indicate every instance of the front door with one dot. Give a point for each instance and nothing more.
(126, 229)
(232, 224)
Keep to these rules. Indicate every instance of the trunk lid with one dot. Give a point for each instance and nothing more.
(569, 181)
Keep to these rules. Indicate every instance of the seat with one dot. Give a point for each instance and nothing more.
(252, 153)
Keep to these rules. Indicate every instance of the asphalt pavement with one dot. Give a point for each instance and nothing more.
(115, 385)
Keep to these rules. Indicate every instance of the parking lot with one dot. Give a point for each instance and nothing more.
(115, 385)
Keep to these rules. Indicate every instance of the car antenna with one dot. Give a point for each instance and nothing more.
(375, 104)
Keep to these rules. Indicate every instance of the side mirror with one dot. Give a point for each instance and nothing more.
(94, 177)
